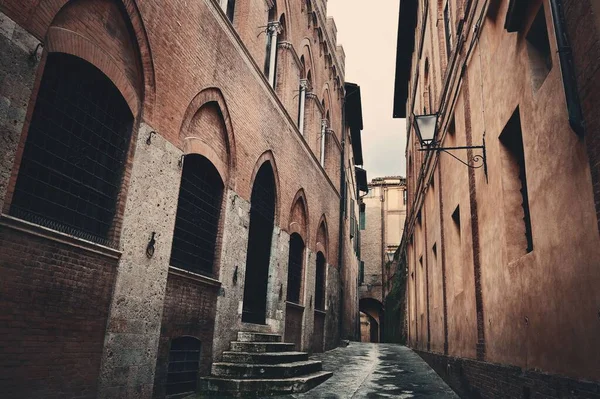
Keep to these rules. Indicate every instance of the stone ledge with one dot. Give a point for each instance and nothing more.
(194, 276)
(37, 230)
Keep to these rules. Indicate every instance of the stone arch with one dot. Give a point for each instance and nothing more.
(216, 142)
(268, 156)
(308, 57)
(284, 11)
(326, 97)
(299, 216)
(322, 238)
(374, 309)
(114, 56)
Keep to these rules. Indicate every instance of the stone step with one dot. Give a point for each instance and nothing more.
(220, 387)
(264, 358)
(261, 347)
(258, 337)
(283, 370)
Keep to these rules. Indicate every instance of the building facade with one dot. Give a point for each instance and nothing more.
(383, 212)
(171, 174)
(502, 254)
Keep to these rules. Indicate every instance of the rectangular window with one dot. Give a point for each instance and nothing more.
(538, 50)
(517, 219)
(448, 30)
(352, 219)
(361, 273)
(363, 216)
(230, 9)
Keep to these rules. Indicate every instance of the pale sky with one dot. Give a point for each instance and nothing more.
(368, 32)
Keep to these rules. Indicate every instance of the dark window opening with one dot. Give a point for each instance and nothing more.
(262, 219)
(361, 273)
(452, 127)
(447, 30)
(538, 49)
(230, 9)
(456, 219)
(73, 161)
(363, 216)
(320, 282)
(197, 220)
(514, 185)
(296, 259)
(184, 363)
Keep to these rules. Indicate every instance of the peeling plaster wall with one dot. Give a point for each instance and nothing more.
(133, 330)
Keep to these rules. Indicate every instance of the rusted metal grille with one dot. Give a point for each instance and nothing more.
(262, 216)
(184, 363)
(197, 220)
(77, 144)
(295, 268)
(320, 282)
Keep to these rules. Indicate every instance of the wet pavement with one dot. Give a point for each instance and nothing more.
(365, 370)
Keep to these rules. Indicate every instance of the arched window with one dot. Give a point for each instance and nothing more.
(77, 144)
(198, 213)
(262, 220)
(296, 260)
(184, 363)
(320, 282)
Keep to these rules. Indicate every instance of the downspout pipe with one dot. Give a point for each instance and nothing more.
(567, 67)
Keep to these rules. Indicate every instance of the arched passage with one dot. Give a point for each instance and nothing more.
(375, 311)
(262, 219)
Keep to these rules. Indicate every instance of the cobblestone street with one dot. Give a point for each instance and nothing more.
(365, 370)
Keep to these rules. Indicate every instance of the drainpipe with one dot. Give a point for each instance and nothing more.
(273, 29)
(303, 87)
(565, 54)
(342, 210)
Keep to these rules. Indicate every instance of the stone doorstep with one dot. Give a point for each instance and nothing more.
(261, 347)
(283, 370)
(264, 357)
(258, 337)
(211, 386)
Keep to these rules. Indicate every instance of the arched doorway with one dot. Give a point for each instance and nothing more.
(374, 311)
(319, 323)
(294, 308)
(262, 219)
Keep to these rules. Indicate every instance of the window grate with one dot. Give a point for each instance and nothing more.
(184, 364)
(76, 147)
(296, 258)
(197, 220)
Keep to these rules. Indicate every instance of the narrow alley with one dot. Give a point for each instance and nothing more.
(367, 370)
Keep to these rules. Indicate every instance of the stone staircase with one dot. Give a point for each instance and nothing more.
(260, 364)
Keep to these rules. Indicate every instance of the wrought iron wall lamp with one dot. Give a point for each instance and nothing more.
(426, 127)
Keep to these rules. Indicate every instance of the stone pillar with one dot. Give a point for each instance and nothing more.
(232, 272)
(277, 287)
(323, 138)
(133, 329)
(310, 267)
(18, 67)
(303, 87)
(273, 30)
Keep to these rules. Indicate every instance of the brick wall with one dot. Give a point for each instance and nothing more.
(54, 304)
(190, 309)
(474, 379)
(582, 28)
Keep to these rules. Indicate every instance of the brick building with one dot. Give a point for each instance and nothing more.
(383, 212)
(172, 173)
(502, 256)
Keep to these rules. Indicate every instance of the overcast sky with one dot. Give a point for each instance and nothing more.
(368, 32)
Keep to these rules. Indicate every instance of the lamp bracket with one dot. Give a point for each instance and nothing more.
(474, 162)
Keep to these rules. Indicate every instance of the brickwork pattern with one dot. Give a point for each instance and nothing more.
(53, 311)
(189, 310)
(476, 379)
